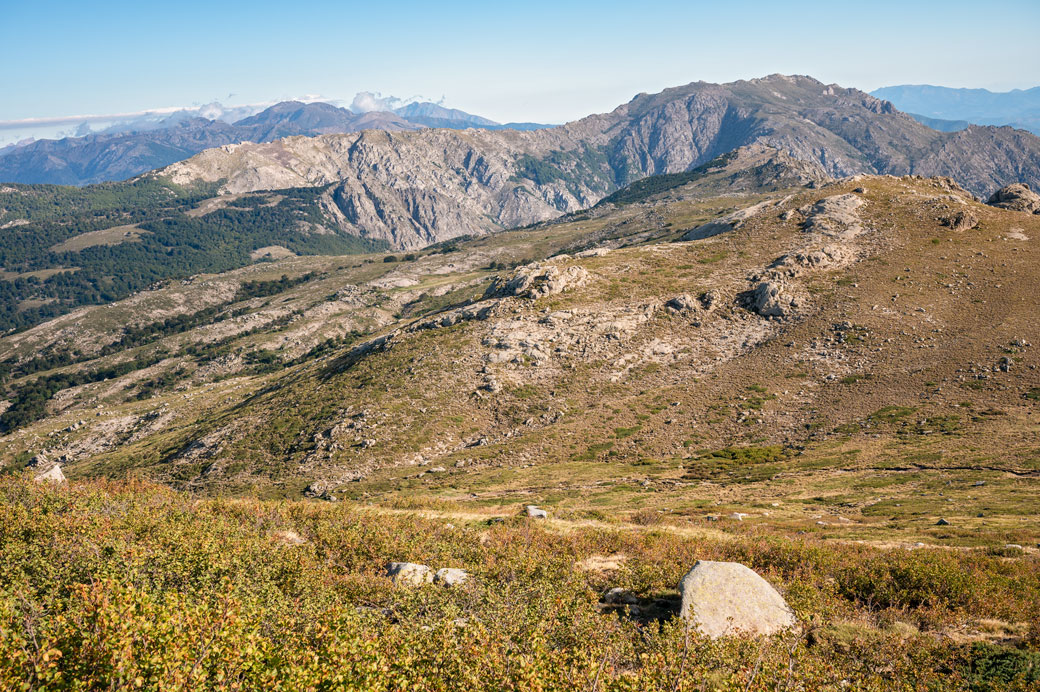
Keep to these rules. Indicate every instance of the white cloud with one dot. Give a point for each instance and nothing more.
(12, 131)
(76, 119)
(368, 101)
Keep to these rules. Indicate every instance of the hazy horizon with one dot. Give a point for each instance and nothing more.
(545, 63)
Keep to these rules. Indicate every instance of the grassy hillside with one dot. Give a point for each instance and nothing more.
(900, 391)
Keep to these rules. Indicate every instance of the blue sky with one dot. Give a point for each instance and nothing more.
(535, 60)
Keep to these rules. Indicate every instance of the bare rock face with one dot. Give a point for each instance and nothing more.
(536, 280)
(836, 216)
(726, 598)
(1016, 197)
(409, 573)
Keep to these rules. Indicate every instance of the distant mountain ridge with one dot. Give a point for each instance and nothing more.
(940, 124)
(432, 185)
(104, 157)
(435, 115)
(1018, 108)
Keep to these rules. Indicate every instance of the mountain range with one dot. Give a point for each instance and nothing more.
(414, 186)
(417, 187)
(111, 156)
(945, 108)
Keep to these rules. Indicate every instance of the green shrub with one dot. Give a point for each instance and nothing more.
(994, 667)
(909, 580)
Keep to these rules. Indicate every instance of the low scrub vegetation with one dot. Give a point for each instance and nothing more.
(132, 586)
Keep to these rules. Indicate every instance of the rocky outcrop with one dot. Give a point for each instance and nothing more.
(727, 598)
(449, 318)
(830, 256)
(1016, 197)
(683, 303)
(730, 222)
(961, 221)
(836, 216)
(537, 280)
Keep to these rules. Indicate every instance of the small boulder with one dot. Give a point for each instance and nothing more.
(450, 576)
(1016, 197)
(288, 537)
(683, 303)
(536, 513)
(723, 598)
(619, 596)
(710, 300)
(51, 475)
(961, 221)
(318, 489)
(942, 522)
(409, 573)
(772, 299)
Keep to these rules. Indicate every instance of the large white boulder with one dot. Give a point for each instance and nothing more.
(725, 598)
